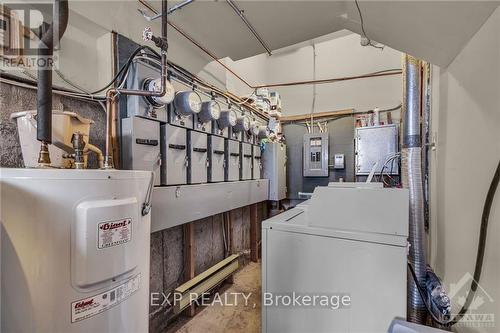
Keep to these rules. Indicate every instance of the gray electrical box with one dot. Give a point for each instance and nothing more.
(374, 145)
(232, 171)
(257, 162)
(141, 145)
(216, 159)
(138, 105)
(246, 161)
(339, 161)
(274, 169)
(178, 120)
(217, 127)
(217, 130)
(174, 155)
(248, 137)
(315, 156)
(198, 122)
(197, 157)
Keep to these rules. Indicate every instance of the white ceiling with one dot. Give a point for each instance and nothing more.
(433, 30)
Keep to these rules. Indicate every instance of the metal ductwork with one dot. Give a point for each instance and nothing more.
(412, 180)
(48, 35)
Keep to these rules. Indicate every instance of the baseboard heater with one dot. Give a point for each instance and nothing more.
(205, 281)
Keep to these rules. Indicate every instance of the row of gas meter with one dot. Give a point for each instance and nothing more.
(188, 136)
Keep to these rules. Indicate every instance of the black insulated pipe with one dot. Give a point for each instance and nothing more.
(44, 84)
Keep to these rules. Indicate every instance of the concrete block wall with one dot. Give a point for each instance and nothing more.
(16, 99)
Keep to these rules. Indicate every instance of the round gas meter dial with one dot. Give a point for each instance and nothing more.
(227, 118)
(264, 132)
(187, 102)
(209, 111)
(254, 128)
(155, 85)
(242, 124)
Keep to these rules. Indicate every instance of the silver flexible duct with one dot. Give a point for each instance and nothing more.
(411, 167)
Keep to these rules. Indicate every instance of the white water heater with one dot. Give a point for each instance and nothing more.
(74, 250)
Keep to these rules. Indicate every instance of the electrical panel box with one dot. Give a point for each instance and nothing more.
(274, 169)
(232, 171)
(141, 145)
(374, 145)
(197, 157)
(246, 161)
(315, 155)
(139, 73)
(174, 155)
(257, 163)
(216, 159)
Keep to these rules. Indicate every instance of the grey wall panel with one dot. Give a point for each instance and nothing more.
(174, 155)
(257, 162)
(174, 205)
(198, 157)
(141, 145)
(246, 161)
(216, 159)
(233, 166)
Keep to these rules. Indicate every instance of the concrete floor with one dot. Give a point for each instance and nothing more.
(232, 318)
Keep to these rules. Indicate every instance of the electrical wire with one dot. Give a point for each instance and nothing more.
(481, 247)
(119, 76)
(77, 87)
(363, 28)
(56, 91)
(389, 159)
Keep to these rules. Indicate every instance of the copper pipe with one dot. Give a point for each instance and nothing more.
(111, 102)
(113, 94)
(194, 42)
(249, 25)
(333, 80)
(115, 124)
(210, 54)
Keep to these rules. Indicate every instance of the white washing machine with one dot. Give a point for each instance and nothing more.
(345, 242)
(74, 250)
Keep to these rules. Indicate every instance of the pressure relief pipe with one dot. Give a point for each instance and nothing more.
(49, 37)
(113, 94)
(412, 180)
